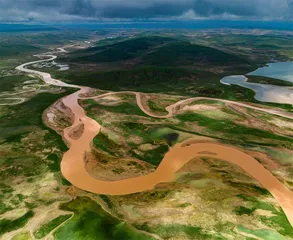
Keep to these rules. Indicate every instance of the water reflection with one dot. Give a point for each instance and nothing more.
(263, 92)
(267, 92)
(278, 70)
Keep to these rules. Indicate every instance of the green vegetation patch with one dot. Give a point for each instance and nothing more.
(265, 234)
(91, 222)
(151, 196)
(220, 114)
(279, 221)
(144, 79)
(267, 80)
(228, 127)
(22, 236)
(123, 50)
(55, 162)
(251, 187)
(27, 142)
(104, 143)
(161, 133)
(7, 49)
(205, 182)
(128, 108)
(45, 229)
(185, 53)
(283, 157)
(130, 148)
(110, 205)
(240, 210)
(10, 225)
(172, 230)
(19, 120)
(155, 107)
(155, 156)
(155, 79)
(7, 83)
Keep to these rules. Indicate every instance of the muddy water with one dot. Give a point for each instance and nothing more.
(45, 76)
(73, 167)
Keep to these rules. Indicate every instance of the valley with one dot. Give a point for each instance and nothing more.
(131, 156)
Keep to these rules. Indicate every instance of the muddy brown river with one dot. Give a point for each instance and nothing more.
(73, 167)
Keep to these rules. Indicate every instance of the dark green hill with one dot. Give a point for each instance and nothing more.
(13, 50)
(184, 53)
(120, 51)
(160, 52)
(157, 64)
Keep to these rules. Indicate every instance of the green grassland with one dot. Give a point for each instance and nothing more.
(126, 122)
(157, 51)
(48, 227)
(120, 51)
(207, 199)
(278, 219)
(21, 44)
(158, 64)
(170, 55)
(30, 154)
(261, 233)
(7, 83)
(126, 148)
(22, 236)
(163, 65)
(91, 222)
(7, 50)
(171, 230)
(124, 129)
(257, 47)
(267, 80)
(10, 225)
(19, 47)
(156, 107)
(219, 202)
(128, 108)
(230, 128)
(152, 79)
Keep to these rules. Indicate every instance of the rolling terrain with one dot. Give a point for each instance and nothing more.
(131, 112)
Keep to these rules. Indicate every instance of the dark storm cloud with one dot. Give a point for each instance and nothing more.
(47, 10)
(157, 10)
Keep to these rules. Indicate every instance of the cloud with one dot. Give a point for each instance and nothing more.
(66, 10)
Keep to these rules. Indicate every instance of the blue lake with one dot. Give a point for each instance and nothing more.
(278, 70)
(263, 92)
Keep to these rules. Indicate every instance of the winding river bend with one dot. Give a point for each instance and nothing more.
(73, 168)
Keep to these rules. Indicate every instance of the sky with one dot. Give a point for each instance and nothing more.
(120, 10)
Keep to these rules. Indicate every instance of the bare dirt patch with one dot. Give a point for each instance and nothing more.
(58, 117)
(104, 167)
(200, 107)
(76, 132)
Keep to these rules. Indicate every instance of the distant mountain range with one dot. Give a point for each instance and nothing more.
(196, 24)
